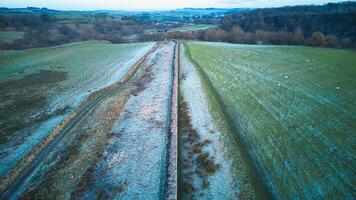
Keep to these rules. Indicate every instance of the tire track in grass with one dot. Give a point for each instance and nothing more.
(11, 191)
(261, 189)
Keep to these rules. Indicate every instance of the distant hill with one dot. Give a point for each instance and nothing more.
(176, 14)
(173, 15)
(28, 10)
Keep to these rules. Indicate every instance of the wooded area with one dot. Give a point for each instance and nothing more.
(329, 25)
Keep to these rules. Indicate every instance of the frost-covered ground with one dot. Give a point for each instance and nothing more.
(136, 155)
(84, 82)
(87, 66)
(295, 109)
(233, 178)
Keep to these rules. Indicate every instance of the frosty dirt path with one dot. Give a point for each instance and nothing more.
(136, 155)
(16, 182)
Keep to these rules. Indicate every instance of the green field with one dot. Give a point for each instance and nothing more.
(10, 36)
(80, 59)
(293, 108)
(194, 27)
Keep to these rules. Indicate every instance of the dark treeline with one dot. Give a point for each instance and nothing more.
(333, 25)
(41, 30)
(330, 25)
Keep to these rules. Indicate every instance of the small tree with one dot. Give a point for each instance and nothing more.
(236, 35)
(332, 41)
(216, 35)
(318, 39)
(298, 36)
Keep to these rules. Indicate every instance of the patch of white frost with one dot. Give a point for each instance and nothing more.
(11, 153)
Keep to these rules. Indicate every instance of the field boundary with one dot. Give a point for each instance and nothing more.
(261, 188)
(171, 184)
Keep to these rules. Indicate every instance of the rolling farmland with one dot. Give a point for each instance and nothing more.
(178, 100)
(294, 110)
(173, 120)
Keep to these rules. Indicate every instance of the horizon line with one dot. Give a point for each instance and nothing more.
(168, 9)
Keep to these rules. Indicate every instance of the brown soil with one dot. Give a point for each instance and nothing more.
(197, 162)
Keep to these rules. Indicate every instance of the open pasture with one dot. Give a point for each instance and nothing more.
(293, 108)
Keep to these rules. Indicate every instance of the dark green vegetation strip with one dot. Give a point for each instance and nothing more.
(21, 99)
(294, 109)
(260, 188)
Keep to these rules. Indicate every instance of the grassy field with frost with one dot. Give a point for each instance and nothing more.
(194, 27)
(294, 109)
(40, 86)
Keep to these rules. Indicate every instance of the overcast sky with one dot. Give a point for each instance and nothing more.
(152, 4)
